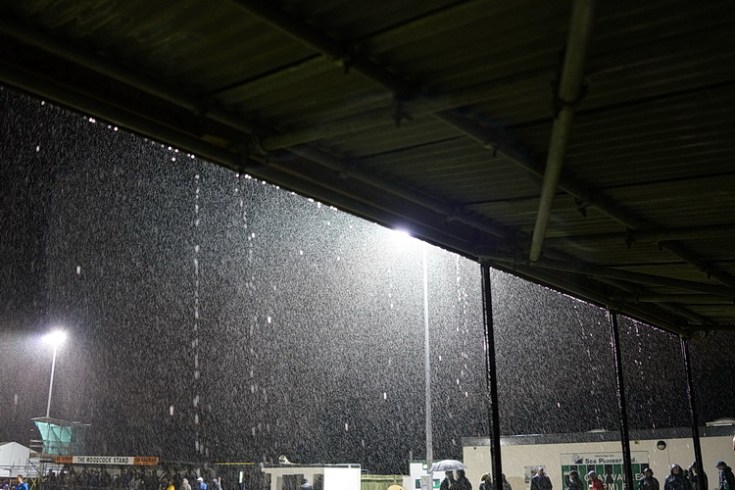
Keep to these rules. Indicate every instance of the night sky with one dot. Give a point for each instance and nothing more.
(214, 317)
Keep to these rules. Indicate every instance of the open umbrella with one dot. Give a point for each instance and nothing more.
(447, 465)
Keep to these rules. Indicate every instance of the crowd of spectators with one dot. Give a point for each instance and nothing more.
(87, 478)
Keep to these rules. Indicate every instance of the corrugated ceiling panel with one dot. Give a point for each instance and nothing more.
(706, 201)
(358, 20)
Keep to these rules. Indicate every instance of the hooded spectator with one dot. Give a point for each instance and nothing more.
(540, 481)
(727, 480)
(573, 481)
(676, 480)
(648, 482)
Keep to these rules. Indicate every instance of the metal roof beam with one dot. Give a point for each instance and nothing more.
(451, 212)
(662, 319)
(631, 237)
(710, 269)
(690, 299)
(568, 96)
(606, 272)
(320, 42)
(413, 108)
(109, 69)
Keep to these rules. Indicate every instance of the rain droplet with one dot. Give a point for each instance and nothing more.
(79, 270)
(171, 410)
(385, 395)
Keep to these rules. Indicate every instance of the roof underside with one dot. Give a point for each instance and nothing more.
(437, 116)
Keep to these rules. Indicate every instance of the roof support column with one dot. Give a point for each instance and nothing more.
(628, 482)
(491, 376)
(693, 413)
(568, 95)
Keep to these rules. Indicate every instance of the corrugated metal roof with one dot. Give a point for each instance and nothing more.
(438, 115)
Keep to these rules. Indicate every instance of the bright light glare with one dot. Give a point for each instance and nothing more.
(55, 338)
(403, 241)
(401, 237)
(401, 234)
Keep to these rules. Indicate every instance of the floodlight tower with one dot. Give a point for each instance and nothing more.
(55, 339)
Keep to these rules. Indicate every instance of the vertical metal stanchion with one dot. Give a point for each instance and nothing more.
(622, 410)
(492, 379)
(693, 411)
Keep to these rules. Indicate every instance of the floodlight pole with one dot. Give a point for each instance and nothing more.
(51, 383)
(427, 367)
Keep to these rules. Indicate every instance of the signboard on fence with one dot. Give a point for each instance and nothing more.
(108, 460)
(608, 466)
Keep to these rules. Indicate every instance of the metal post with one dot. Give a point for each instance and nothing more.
(492, 378)
(51, 383)
(622, 411)
(427, 367)
(693, 412)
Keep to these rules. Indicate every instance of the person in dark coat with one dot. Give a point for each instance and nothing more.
(540, 481)
(506, 483)
(676, 480)
(448, 480)
(486, 482)
(648, 482)
(727, 480)
(462, 483)
(695, 481)
(574, 482)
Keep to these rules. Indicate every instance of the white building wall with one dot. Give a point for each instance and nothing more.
(342, 478)
(334, 477)
(14, 459)
(517, 458)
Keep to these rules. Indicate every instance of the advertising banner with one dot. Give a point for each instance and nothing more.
(608, 466)
(108, 460)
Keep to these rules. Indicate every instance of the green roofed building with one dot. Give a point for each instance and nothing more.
(61, 437)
